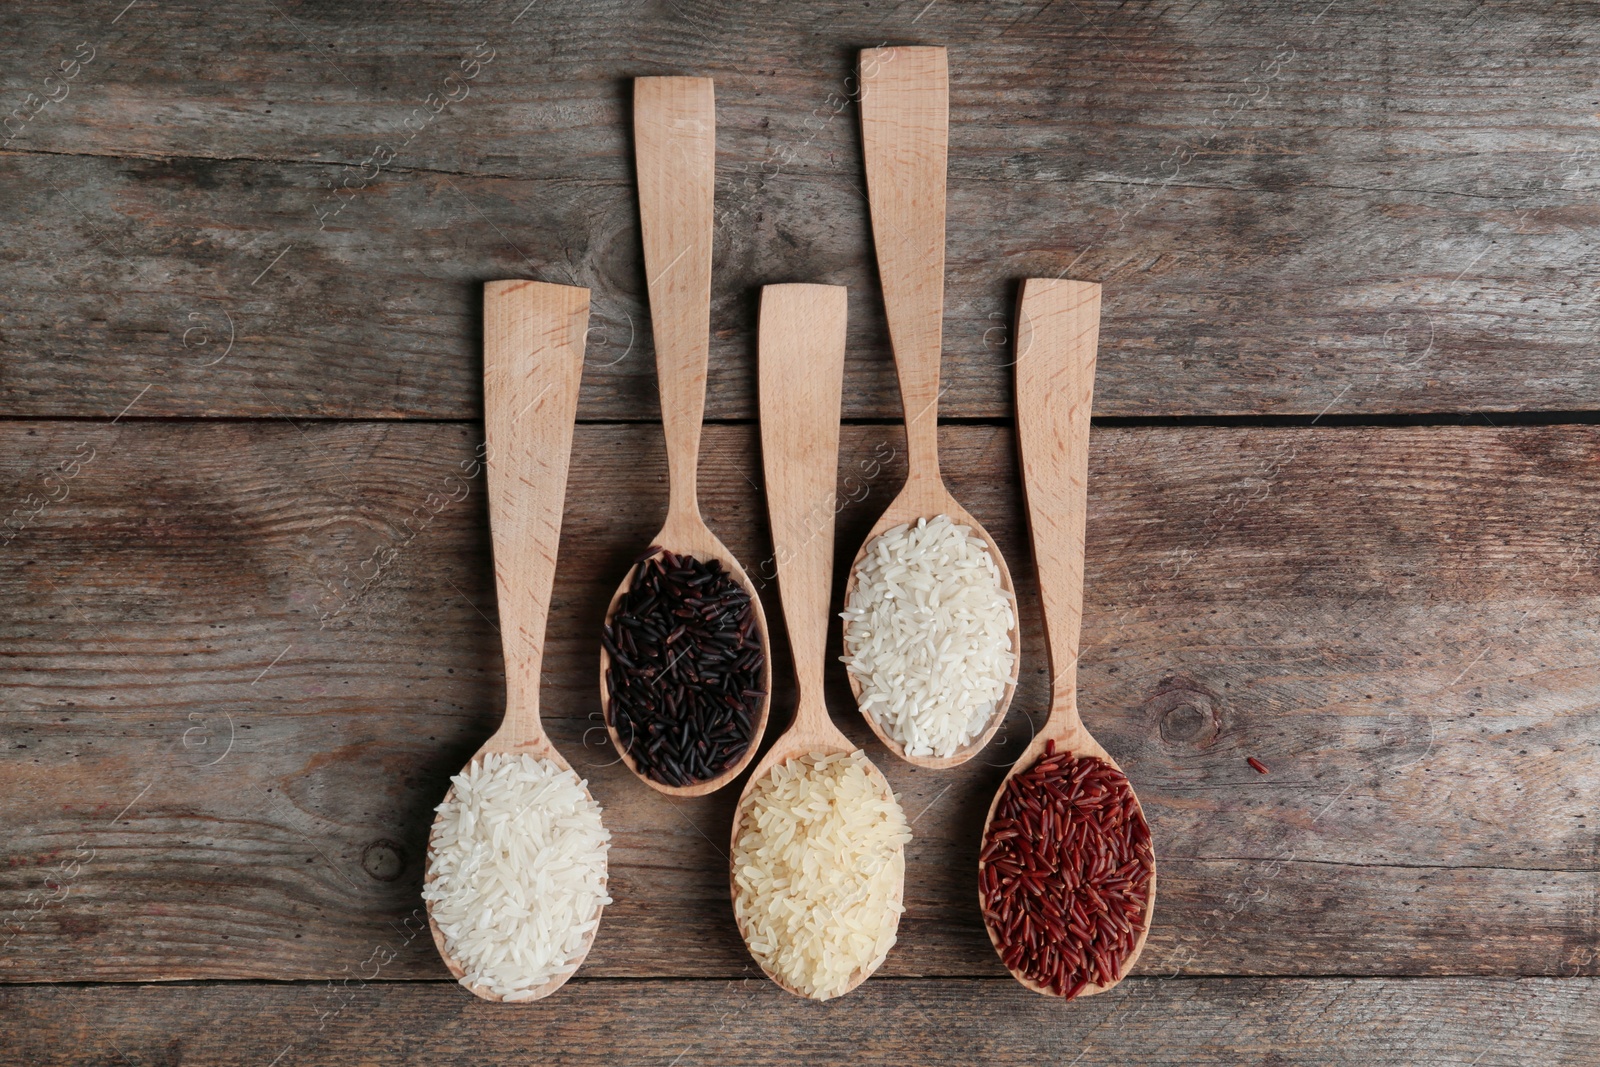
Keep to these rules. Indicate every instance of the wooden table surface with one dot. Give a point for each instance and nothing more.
(1342, 515)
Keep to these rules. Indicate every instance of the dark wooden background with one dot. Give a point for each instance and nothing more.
(1342, 512)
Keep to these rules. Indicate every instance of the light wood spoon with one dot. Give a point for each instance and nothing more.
(1058, 325)
(905, 119)
(802, 331)
(532, 359)
(675, 141)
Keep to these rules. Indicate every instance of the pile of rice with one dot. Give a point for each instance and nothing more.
(817, 867)
(927, 635)
(516, 872)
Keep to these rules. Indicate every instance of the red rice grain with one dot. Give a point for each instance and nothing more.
(1065, 872)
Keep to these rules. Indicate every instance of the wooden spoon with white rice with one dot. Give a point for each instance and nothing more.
(528, 819)
(933, 703)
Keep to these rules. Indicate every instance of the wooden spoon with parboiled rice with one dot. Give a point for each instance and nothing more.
(930, 623)
(517, 859)
(818, 859)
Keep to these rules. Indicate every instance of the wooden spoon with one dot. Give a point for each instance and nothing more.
(675, 140)
(905, 105)
(533, 357)
(1058, 325)
(802, 375)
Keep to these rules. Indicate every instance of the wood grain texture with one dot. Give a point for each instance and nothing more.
(532, 365)
(1058, 329)
(243, 659)
(240, 661)
(802, 377)
(1290, 208)
(675, 143)
(1209, 1023)
(905, 135)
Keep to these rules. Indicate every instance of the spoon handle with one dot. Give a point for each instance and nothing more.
(905, 131)
(801, 380)
(532, 361)
(675, 147)
(1058, 326)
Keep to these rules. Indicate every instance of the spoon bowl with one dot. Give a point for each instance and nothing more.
(905, 132)
(533, 360)
(820, 739)
(539, 748)
(802, 332)
(923, 499)
(691, 538)
(1066, 730)
(1058, 326)
(674, 122)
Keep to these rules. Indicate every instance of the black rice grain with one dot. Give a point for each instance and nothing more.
(684, 677)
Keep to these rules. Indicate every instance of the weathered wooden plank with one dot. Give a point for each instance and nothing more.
(1120, 85)
(1292, 210)
(1477, 1022)
(242, 659)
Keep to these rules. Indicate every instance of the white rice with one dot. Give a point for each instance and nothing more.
(517, 872)
(817, 869)
(927, 635)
